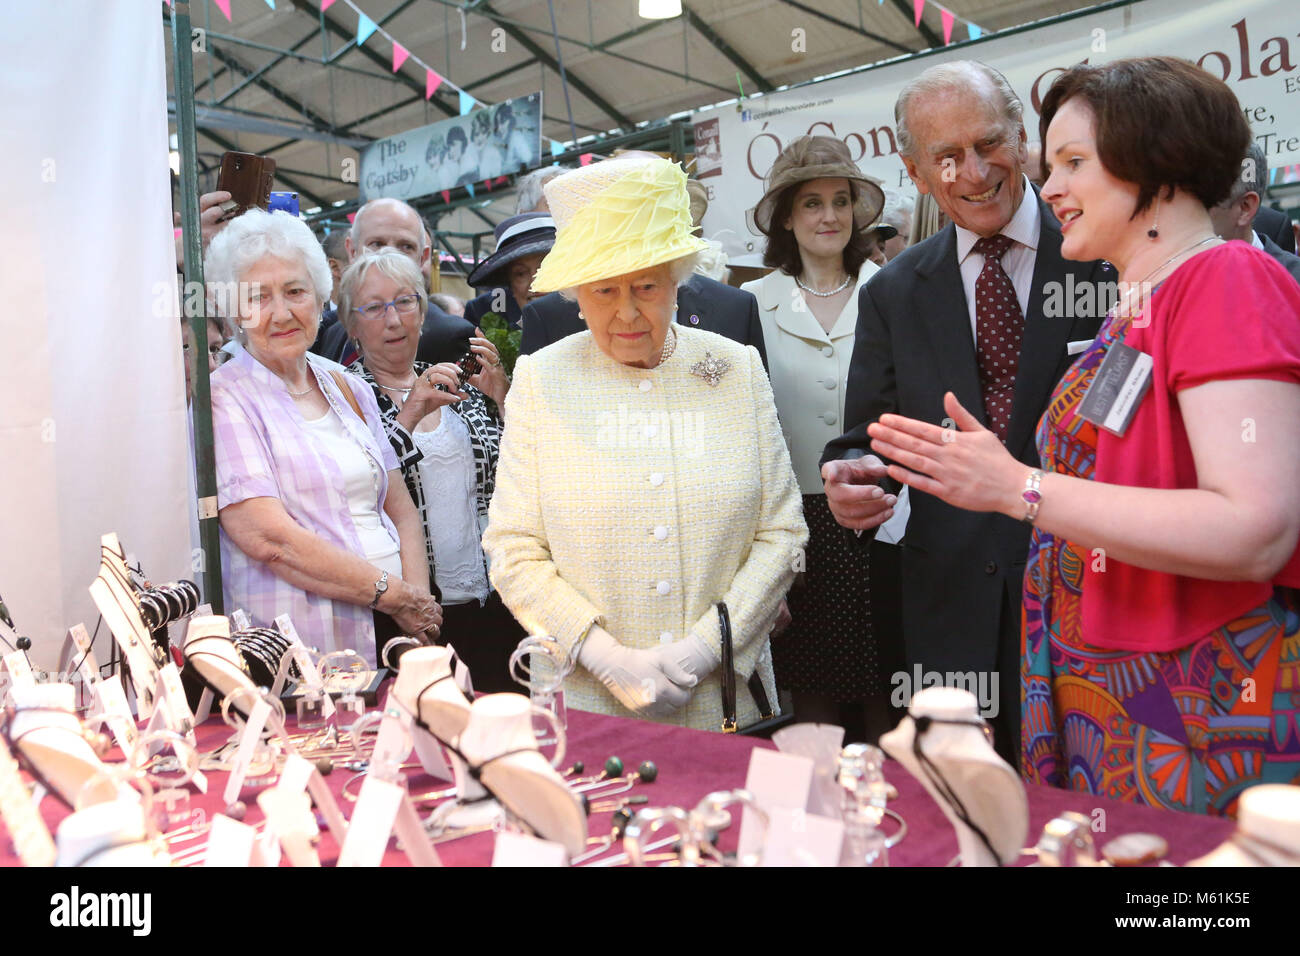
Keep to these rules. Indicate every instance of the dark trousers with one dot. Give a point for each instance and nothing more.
(484, 638)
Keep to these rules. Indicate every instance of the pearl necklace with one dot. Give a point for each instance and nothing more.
(836, 291)
(670, 346)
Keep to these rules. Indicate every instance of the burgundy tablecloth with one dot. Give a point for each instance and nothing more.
(693, 763)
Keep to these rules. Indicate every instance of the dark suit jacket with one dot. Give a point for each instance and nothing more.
(481, 305)
(717, 307)
(444, 338)
(1274, 224)
(1291, 263)
(913, 343)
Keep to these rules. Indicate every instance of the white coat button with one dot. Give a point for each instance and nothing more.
(828, 350)
(666, 637)
(656, 479)
(661, 533)
(644, 385)
(663, 587)
(651, 431)
(829, 418)
(829, 383)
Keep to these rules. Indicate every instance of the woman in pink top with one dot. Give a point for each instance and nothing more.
(1161, 654)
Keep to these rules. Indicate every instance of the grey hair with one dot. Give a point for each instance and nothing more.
(250, 238)
(355, 232)
(955, 75)
(1253, 177)
(530, 187)
(897, 209)
(680, 269)
(391, 263)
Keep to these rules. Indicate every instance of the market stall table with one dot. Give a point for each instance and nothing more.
(693, 763)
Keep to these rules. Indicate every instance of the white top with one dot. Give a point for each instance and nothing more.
(1017, 262)
(1255, 240)
(361, 483)
(449, 478)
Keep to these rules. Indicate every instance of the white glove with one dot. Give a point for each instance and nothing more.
(637, 679)
(686, 662)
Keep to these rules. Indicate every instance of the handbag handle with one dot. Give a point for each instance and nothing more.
(728, 671)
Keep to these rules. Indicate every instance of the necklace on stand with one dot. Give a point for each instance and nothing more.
(836, 291)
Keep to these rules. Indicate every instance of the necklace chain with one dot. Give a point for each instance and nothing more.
(670, 346)
(1140, 286)
(399, 389)
(838, 289)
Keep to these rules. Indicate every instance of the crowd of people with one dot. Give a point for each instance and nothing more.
(893, 454)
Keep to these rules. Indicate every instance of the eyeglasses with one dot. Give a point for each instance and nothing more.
(215, 352)
(404, 304)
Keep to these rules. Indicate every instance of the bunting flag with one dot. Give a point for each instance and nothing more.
(223, 6)
(945, 15)
(365, 27)
(488, 183)
(352, 217)
(431, 82)
(584, 159)
(466, 102)
(469, 187)
(556, 147)
(918, 7)
(325, 5)
(973, 31)
(446, 195)
(399, 56)
(271, 4)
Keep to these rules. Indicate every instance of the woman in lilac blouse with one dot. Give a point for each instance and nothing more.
(316, 521)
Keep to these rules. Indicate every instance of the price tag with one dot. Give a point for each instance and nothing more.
(87, 666)
(20, 671)
(230, 843)
(239, 620)
(114, 709)
(248, 742)
(796, 838)
(289, 817)
(371, 823)
(172, 693)
(22, 818)
(519, 849)
(295, 774)
(778, 781)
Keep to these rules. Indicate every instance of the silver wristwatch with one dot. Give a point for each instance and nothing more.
(380, 587)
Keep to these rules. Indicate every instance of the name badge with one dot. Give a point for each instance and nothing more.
(1113, 397)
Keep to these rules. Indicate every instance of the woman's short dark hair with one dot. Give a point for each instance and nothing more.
(1160, 123)
(456, 134)
(504, 115)
(782, 251)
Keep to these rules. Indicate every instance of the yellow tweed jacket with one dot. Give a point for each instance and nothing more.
(637, 499)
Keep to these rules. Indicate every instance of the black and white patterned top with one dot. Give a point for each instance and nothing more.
(484, 424)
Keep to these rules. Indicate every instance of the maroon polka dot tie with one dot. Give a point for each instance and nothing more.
(999, 325)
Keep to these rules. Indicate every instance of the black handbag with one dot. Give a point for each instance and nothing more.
(768, 721)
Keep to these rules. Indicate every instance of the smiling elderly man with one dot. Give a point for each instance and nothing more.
(392, 224)
(962, 312)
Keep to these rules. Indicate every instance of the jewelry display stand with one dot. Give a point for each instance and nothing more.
(426, 689)
(965, 764)
(117, 602)
(45, 732)
(1268, 830)
(109, 834)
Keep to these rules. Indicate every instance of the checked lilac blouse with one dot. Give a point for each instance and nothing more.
(263, 451)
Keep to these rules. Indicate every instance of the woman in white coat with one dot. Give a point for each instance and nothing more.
(815, 213)
(643, 478)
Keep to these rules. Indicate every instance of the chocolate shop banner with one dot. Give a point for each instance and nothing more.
(1251, 44)
(466, 150)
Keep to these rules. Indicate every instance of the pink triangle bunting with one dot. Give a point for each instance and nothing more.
(584, 159)
(918, 7)
(488, 183)
(446, 195)
(399, 56)
(946, 17)
(431, 82)
(224, 7)
(352, 217)
(325, 5)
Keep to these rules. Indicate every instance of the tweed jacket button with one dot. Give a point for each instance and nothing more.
(660, 533)
(644, 385)
(651, 431)
(666, 637)
(663, 587)
(656, 479)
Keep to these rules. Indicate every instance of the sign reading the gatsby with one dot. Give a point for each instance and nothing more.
(1246, 43)
(494, 141)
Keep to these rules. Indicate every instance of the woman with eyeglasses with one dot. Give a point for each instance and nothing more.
(445, 435)
(315, 520)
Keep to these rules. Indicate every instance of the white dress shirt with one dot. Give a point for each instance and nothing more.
(1017, 262)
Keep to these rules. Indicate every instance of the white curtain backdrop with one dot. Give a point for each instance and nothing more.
(92, 403)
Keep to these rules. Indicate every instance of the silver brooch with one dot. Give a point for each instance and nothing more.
(711, 369)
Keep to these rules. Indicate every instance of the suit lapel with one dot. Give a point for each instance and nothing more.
(1045, 337)
(943, 313)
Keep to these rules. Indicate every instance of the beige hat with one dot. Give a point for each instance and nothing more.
(817, 157)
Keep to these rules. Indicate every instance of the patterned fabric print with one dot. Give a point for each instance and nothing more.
(1187, 730)
(484, 426)
(999, 325)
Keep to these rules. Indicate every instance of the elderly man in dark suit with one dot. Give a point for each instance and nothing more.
(393, 224)
(1237, 217)
(702, 303)
(975, 310)
(1274, 224)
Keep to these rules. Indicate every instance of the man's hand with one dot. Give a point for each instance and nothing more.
(854, 494)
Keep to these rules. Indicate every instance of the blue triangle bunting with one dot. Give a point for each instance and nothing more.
(365, 27)
(469, 187)
(974, 31)
(466, 102)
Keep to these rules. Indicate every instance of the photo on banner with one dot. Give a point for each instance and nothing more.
(497, 140)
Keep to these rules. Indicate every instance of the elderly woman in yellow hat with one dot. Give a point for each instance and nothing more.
(644, 494)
